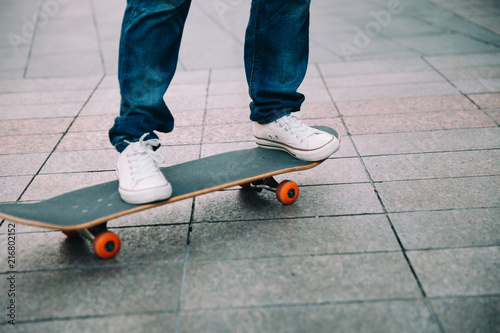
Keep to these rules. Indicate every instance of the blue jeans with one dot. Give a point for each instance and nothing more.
(275, 55)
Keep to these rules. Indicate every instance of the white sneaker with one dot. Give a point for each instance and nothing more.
(140, 179)
(299, 140)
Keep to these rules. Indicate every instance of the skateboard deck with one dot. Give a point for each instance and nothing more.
(86, 211)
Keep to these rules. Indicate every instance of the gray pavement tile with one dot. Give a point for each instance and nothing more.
(195, 77)
(188, 90)
(92, 123)
(81, 161)
(346, 149)
(456, 23)
(194, 102)
(39, 111)
(13, 61)
(405, 105)
(70, 10)
(446, 44)
(228, 133)
(186, 118)
(93, 108)
(97, 292)
(109, 54)
(457, 272)
(390, 316)
(436, 194)
(393, 91)
(228, 101)
(468, 314)
(109, 81)
(97, 140)
(436, 165)
(106, 94)
(231, 87)
(319, 54)
(478, 86)
(313, 201)
(444, 229)
(221, 75)
(490, 23)
(34, 126)
(21, 165)
(404, 26)
(13, 187)
(198, 55)
(65, 64)
(154, 323)
(46, 97)
(40, 143)
(382, 52)
(178, 154)
(65, 38)
(319, 110)
(53, 250)
(373, 66)
(227, 116)
(11, 74)
(464, 60)
(486, 101)
(494, 115)
(461, 74)
(48, 186)
(413, 122)
(298, 280)
(326, 235)
(376, 48)
(316, 95)
(49, 84)
(382, 79)
(182, 135)
(428, 141)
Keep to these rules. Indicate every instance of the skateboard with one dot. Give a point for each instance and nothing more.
(85, 212)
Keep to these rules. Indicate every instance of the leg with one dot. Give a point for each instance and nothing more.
(149, 47)
(276, 56)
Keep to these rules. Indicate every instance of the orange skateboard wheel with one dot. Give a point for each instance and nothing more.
(287, 192)
(106, 244)
(70, 233)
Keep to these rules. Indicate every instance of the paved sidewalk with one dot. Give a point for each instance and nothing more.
(397, 232)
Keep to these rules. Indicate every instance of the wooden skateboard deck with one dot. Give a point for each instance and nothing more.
(88, 209)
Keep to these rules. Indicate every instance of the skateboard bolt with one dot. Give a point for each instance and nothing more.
(110, 246)
(291, 193)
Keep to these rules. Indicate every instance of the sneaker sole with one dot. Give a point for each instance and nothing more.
(301, 154)
(146, 196)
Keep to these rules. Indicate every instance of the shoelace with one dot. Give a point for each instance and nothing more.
(295, 126)
(143, 159)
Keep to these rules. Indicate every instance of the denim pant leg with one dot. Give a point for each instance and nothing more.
(276, 57)
(149, 48)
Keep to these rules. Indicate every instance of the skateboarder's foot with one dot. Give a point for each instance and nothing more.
(141, 181)
(299, 140)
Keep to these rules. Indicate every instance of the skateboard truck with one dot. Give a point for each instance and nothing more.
(286, 192)
(106, 244)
